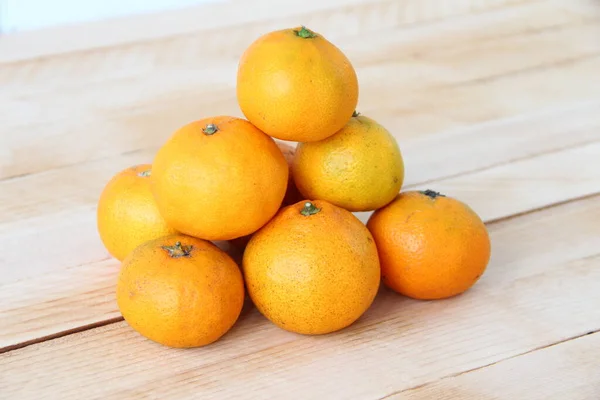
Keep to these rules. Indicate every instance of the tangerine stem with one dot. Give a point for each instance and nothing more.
(432, 194)
(309, 209)
(210, 129)
(305, 33)
(178, 250)
(144, 174)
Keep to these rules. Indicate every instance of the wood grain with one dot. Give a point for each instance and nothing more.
(565, 371)
(48, 209)
(86, 293)
(226, 15)
(56, 207)
(122, 106)
(495, 102)
(540, 288)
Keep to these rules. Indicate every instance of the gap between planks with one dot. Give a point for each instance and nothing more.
(539, 290)
(61, 334)
(425, 385)
(495, 193)
(474, 53)
(48, 203)
(141, 29)
(113, 320)
(550, 381)
(489, 213)
(483, 189)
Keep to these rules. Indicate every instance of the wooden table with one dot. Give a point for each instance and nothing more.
(494, 102)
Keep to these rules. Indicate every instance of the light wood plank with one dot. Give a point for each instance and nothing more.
(565, 371)
(462, 50)
(50, 209)
(225, 14)
(121, 106)
(55, 213)
(397, 127)
(489, 99)
(531, 183)
(540, 288)
(67, 300)
(499, 141)
(494, 193)
(494, 102)
(448, 153)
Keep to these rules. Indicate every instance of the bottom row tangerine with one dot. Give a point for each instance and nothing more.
(313, 269)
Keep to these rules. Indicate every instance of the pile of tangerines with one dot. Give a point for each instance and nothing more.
(309, 264)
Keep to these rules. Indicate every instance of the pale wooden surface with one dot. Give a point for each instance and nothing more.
(494, 102)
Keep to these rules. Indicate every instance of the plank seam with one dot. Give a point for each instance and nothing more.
(542, 208)
(503, 163)
(113, 320)
(174, 36)
(525, 71)
(153, 149)
(546, 346)
(60, 334)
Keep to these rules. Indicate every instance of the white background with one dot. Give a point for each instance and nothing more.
(23, 15)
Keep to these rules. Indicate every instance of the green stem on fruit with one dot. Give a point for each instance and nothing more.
(309, 209)
(144, 174)
(432, 194)
(355, 114)
(210, 129)
(305, 33)
(178, 250)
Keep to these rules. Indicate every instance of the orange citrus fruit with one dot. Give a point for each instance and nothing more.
(295, 85)
(127, 215)
(360, 168)
(430, 246)
(219, 178)
(313, 269)
(180, 291)
(292, 195)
